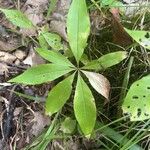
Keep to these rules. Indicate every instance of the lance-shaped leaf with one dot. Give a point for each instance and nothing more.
(84, 107)
(99, 83)
(58, 96)
(137, 101)
(17, 18)
(42, 42)
(106, 61)
(53, 40)
(78, 27)
(54, 57)
(141, 37)
(41, 73)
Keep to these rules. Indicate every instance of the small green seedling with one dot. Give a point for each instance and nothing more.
(78, 28)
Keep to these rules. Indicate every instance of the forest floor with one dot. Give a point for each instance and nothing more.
(22, 111)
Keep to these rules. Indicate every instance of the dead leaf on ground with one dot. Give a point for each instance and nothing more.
(97, 22)
(99, 83)
(59, 27)
(58, 18)
(10, 45)
(4, 69)
(33, 58)
(120, 37)
(37, 3)
(40, 122)
(6, 57)
(17, 111)
(34, 10)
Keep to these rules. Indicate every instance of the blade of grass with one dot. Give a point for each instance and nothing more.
(113, 122)
(116, 136)
(125, 85)
(130, 142)
(51, 7)
(36, 99)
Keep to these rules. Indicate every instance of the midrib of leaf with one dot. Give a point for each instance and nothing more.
(77, 34)
(54, 72)
(85, 112)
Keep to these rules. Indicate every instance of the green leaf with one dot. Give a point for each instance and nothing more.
(42, 42)
(137, 101)
(78, 27)
(68, 126)
(141, 37)
(40, 74)
(58, 96)
(106, 61)
(53, 40)
(17, 18)
(84, 107)
(54, 57)
(111, 3)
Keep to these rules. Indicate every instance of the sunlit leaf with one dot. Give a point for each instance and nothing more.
(137, 101)
(41, 73)
(78, 27)
(17, 18)
(58, 96)
(53, 40)
(106, 61)
(99, 83)
(84, 107)
(54, 57)
(141, 37)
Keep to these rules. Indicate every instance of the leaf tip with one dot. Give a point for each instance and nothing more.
(88, 136)
(48, 113)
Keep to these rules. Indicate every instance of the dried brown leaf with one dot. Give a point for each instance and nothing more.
(33, 58)
(10, 45)
(34, 9)
(99, 83)
(3, 69)
(40, 121)
(58, 18)
(6, 57)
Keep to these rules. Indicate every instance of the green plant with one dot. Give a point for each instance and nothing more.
(78, 27)
(136, 102)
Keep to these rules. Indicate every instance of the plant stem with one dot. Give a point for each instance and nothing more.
(51, 7)
(125, 85)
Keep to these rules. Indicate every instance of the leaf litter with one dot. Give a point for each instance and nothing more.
(33, 121)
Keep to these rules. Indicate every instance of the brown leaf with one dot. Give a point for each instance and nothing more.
(3, 69)
(120, 37)
(6, 57)
(59, 27)
(99, 83)
(58, 18)
(34, 9)
(9, 45)
(33, 58)
(40, 121)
